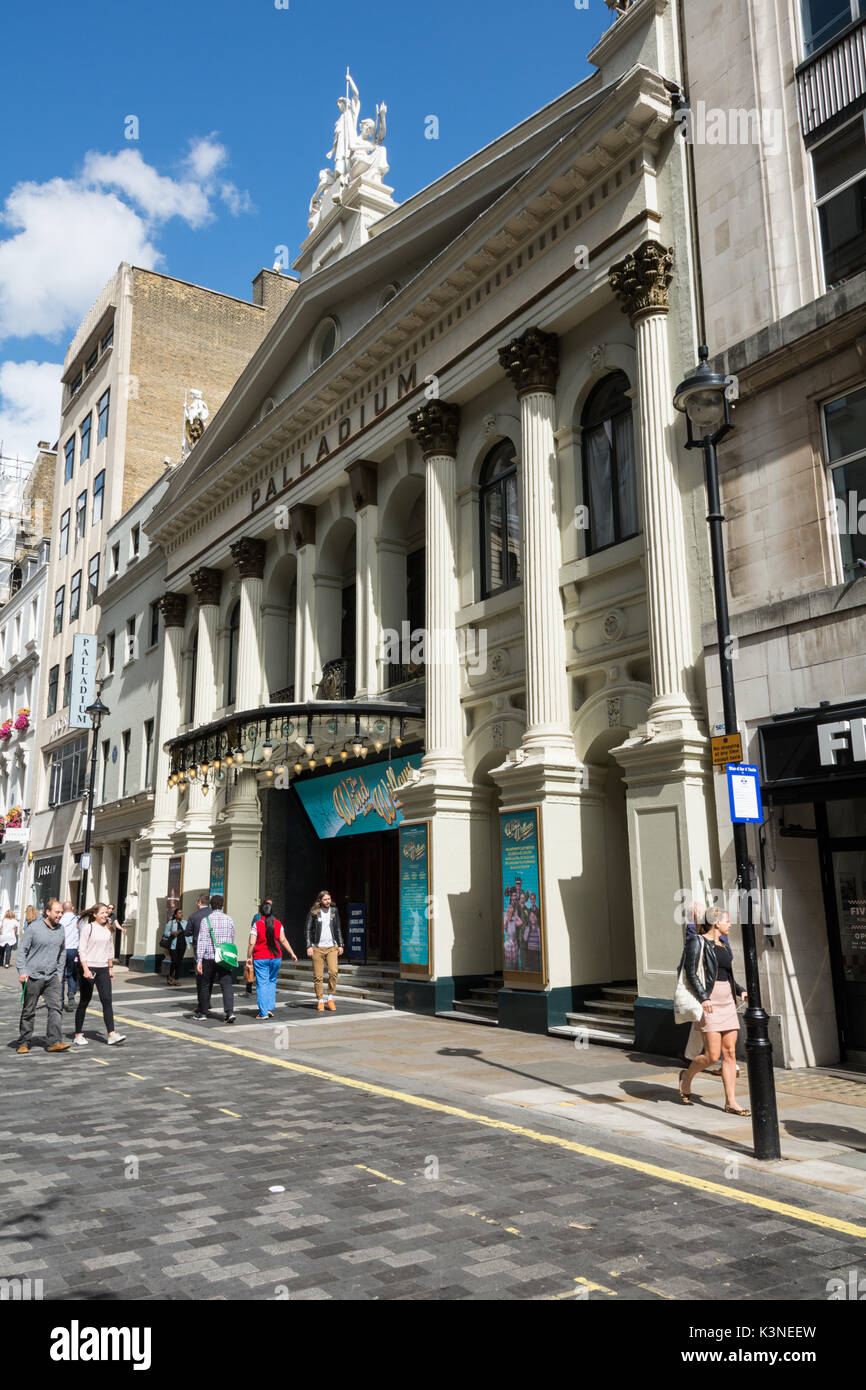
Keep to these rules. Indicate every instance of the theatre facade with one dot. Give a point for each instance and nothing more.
(432, 629)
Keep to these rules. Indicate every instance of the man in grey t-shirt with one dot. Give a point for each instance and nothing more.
(41, 957)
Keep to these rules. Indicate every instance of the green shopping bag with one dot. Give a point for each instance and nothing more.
(226, 953)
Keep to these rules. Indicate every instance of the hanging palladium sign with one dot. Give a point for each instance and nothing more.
(83, 685)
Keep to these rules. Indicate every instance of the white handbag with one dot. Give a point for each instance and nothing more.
(687, 1007)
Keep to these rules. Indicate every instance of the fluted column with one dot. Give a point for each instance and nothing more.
(303, 523)
(173, 609)
(532, 363)
(207, 584)
(249, 558)
(363, 482)
(436, 426)
(641, 283)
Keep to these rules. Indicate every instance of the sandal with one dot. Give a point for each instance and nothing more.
(686, 1099)
(732, 1110)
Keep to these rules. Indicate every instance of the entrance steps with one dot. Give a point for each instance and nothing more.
(374, 981)
(480, 1006)
(609, 1020)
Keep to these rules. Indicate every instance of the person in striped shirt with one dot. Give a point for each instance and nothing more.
(217, 929)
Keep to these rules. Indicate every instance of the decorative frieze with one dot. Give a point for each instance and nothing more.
(436, 426)
(532, 361)
(640, 281)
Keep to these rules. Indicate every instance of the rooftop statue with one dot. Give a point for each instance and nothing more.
(355, 154)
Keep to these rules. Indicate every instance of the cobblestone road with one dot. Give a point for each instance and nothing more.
(146, 1172)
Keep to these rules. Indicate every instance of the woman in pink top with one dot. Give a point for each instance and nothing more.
(96, 970)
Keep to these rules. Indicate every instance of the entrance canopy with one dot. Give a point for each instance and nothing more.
(293, 739)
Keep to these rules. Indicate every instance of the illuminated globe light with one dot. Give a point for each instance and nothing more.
(216, 764)
(192, 774)
(357, 747)
(239, 755)
(229, 760)
(204, 788)
(378, 745)
(267, 750)
(299, 767)
(269, 772)
(343, 754)
(281, 770)
(329, 758)
(311, 764)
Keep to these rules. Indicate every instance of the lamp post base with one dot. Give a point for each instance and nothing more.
(762, 1089)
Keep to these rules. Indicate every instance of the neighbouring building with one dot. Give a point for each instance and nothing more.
(130, 640)
(780, 213)
(152, 353)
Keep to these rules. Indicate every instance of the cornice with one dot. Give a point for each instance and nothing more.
(523, 213)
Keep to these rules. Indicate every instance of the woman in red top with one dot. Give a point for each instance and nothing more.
(265, 951)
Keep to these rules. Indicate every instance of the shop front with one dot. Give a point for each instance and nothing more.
(47, 880)
(818, 758)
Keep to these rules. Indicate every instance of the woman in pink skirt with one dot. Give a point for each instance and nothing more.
(708, 954)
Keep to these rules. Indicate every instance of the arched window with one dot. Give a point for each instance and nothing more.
(500, 520)
(193, 672)
(233, 639)
(609, 472)
(324, 342)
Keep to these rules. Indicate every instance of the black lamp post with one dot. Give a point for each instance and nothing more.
(703, 398)
(97, 712)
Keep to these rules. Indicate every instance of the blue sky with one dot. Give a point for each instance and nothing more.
(235, 102)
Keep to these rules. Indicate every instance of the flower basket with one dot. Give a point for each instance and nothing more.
(6, 729)
(22, 721)
(13, 817)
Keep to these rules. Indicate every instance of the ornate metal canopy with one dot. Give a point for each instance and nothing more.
(288, 740)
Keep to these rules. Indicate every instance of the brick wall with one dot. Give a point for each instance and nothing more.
(183, 337)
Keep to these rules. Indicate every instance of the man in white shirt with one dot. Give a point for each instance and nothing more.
(324, 943)
(69, 923)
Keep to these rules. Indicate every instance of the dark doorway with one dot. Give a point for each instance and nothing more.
(120, 903)
(842, 842)
(364, 869)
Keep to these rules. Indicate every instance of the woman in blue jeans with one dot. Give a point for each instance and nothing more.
(265, 951)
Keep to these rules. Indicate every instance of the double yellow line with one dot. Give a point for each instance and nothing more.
(556, 1141)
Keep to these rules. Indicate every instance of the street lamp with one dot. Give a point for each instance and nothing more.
(704, 398)
(97, 712)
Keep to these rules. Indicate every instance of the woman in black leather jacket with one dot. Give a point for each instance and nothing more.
(709, 954)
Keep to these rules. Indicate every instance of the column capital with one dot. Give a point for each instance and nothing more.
(531, 361)
(363, 479)
(249, 557)
(302, 519)
(207, 584)
(173, 609)
(641, 279)
(436, 426)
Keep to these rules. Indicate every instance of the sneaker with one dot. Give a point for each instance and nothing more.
(320, 1007)
(70, 1006)
(332, 1005)
(260, 1018)
(58, 1047)
(116, 1038)
(24, 1048)
(199, 1018)
(230, 1018)
(80, 1041)
(270, 1013)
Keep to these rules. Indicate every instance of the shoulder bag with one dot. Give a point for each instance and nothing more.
(687, 1006)
(226, 953)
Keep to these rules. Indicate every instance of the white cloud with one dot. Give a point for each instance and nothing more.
(29, 405)
(67, 236)
(158, 197)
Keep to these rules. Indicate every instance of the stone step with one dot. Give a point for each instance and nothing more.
(380, 994)
(463, 1017)
(613, 1025)
(478, 1008)
(610, 1006)
(626, 993)
(485, 996)
(595, 1035)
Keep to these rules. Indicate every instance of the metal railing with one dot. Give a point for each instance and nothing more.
(832, 85)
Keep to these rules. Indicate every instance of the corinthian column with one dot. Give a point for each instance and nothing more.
(173, 609)
(641, 283)
(207, 584)
(249, 558)
(532, 363)
(435, 426)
